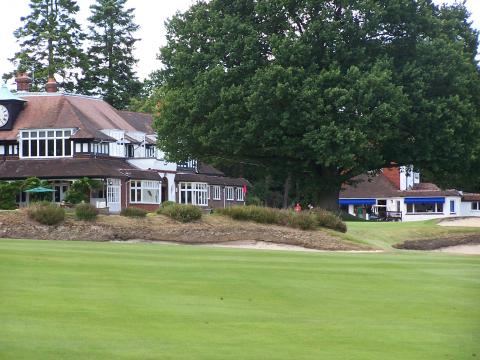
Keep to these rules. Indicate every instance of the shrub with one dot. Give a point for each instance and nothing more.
(86, 212)
(168, 203)
(8, 192)
(181, 212)
(46, 213)
(133, 212)
(255, 213)
(305, 220)
(329, 220)
(302, 220)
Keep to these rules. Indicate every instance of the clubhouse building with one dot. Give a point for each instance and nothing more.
(62, 137)
(397, 194)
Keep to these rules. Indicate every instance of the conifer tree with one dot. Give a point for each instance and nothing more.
(109, 69)
(50, 43)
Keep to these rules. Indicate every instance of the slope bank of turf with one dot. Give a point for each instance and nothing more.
(384, 235)
(87, 300)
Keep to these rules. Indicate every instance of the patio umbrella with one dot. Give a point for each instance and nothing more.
(39, 189)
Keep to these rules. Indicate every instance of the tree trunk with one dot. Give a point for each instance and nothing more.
(286, 190)
(329, 200)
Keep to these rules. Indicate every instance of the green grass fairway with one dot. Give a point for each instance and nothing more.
(79, 300)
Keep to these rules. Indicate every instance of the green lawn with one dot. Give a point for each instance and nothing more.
(385, 234)
(79, 300)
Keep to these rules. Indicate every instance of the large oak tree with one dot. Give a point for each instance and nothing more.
(322, 89)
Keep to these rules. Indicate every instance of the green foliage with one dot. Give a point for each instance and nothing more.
(305, 220)
(326, 89)
(109, 70)
(133, 212)
(168, 203)
(79, 191)
(86, 212)
(50, 42)
(33, 182)
(181, 212)
(8, 192)
(329, 220)
(46, 213)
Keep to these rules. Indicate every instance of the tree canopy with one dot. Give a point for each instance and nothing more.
(325, 90)
(50, 42)
(109, 67)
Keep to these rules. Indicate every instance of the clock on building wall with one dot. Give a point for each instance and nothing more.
(3, 115)
(10, 107)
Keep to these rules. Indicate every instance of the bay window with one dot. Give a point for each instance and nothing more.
(145, 192)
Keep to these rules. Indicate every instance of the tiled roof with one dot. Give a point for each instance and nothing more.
(140, 121)
(380, 187)
(426, 186)
(471, 197)
(57, 110)
(428, 193)
(73, 168)
(363, 186)
(214, 180)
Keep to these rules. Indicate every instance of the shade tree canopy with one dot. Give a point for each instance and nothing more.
(325, 89)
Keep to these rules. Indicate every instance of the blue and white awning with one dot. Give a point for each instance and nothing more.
(425, 200)
(357, 201)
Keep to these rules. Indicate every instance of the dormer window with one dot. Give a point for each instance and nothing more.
(45, 143)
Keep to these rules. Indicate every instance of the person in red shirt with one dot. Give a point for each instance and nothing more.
(298, 207)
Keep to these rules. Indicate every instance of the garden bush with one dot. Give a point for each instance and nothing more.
(263, 215)
(305, 220)
(86, 212)
(133, 212)
(46, 213)
(181, 212)
(329, 220)
(168, 203)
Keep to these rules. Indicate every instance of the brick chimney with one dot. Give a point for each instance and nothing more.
(23, 82)
(393, 175)
(51, 85)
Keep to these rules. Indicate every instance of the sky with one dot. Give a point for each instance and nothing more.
(149, 14)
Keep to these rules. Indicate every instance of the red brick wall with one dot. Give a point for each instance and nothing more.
(393, 174)
(147, 207)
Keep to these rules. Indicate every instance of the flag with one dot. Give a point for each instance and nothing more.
(244, 189)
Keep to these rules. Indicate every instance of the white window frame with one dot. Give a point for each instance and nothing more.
(49, 134)
(477, 203)
(426, 212)
(229, 193)
(138, 187)
(217, 192)
(239, 194)
(195, 191)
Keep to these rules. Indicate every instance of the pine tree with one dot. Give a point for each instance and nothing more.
(50, 42)
(109, 69)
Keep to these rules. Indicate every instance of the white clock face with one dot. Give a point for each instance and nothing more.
(3, 115)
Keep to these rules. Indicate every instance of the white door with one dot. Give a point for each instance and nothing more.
(114, 195)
